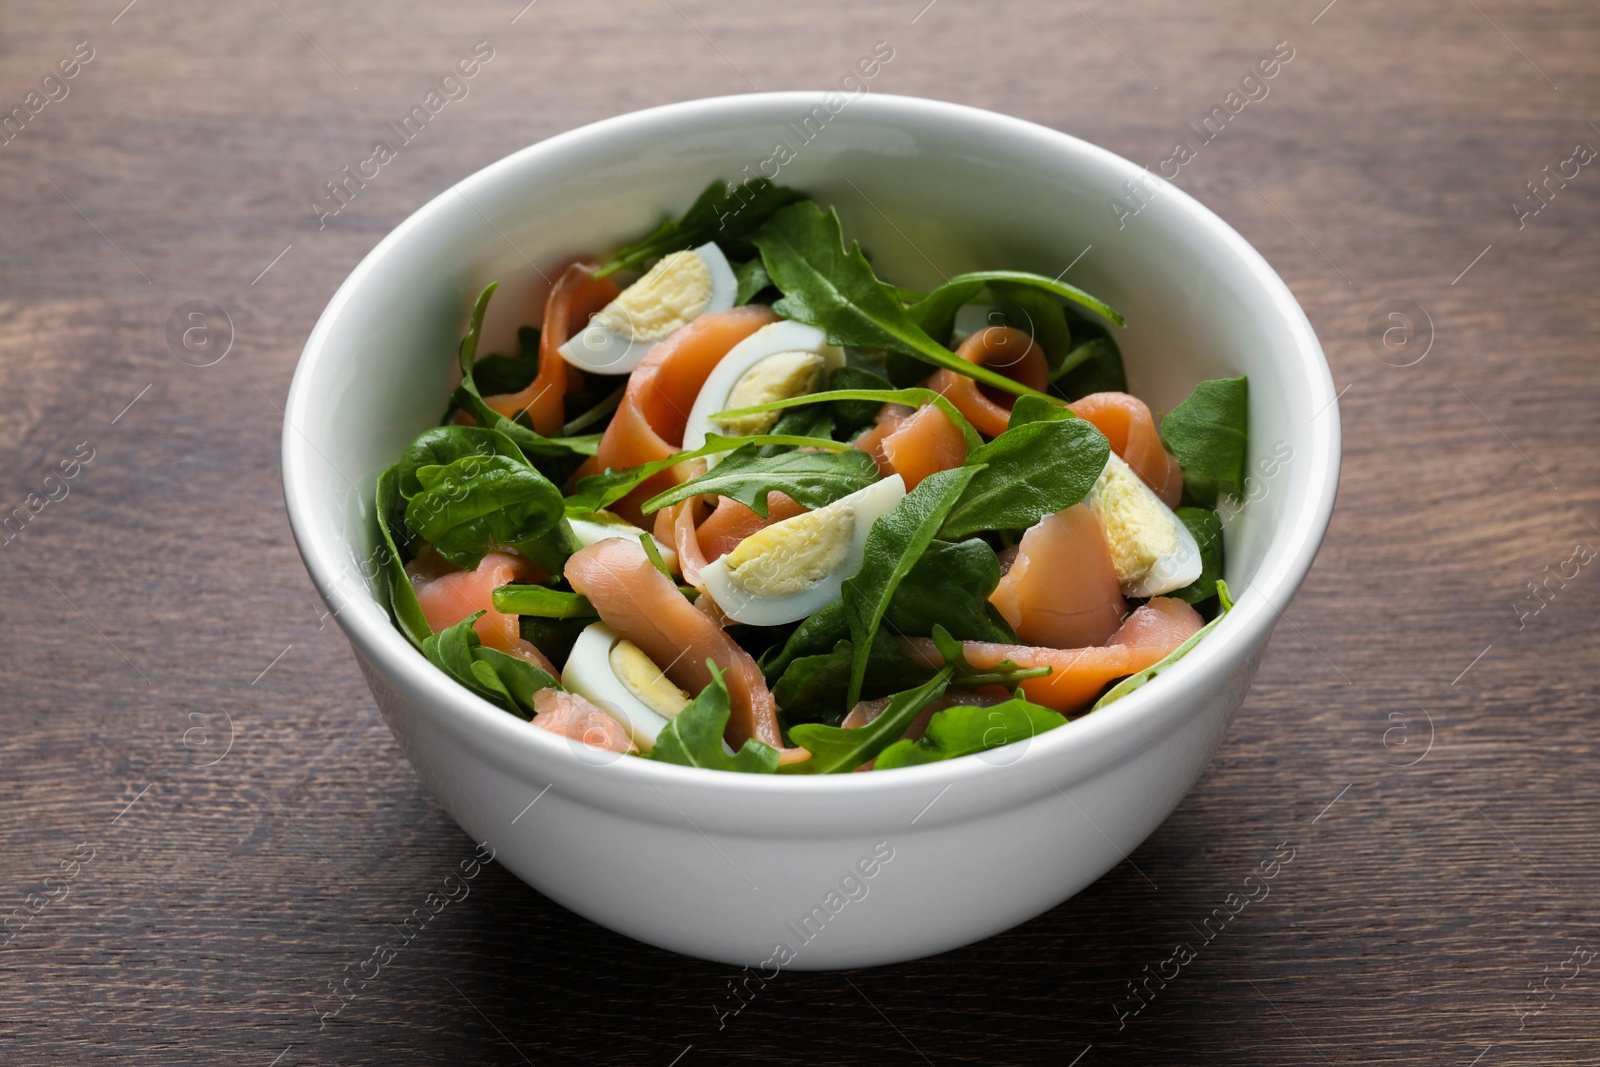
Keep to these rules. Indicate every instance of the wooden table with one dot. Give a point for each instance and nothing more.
(191, 759)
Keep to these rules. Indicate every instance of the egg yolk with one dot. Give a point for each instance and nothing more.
(670, 295)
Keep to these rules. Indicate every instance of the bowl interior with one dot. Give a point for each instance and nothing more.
(929, 189)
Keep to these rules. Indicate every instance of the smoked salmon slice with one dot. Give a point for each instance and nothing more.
(1000, 348)
(913, 444)
(649, 422)
(732, 522)
(644, 606)
(448, 594)
(571, 716)
(573, 299)
(1127, 424)
(1078, 674)
(1062, 590)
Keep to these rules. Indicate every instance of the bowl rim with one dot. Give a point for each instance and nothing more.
(1140, 719)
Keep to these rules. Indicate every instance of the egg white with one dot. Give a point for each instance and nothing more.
(742, 605)
(599, 350)
(771, 340)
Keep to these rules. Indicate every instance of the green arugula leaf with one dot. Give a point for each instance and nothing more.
(693, 737)
(605, 406)
(725, 213)
(1029, 472)
(1006, 673)
(1208, 433)
(813, 479)
(894, 544)
(836, 751)
(851, 415)
(601, 490)
(750, 277)
(949, 297)
(1134, 681)
(468, 396)
(832, 287)
(1093, 367)
(813, 421)
(1206, 526)
(878, 397)
(443, 445)
(964, 730)
(542, 601)
(398, 591)
(472, 504)
(935, 312)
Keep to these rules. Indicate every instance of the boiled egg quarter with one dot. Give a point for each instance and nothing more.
(1152, 550)
(794, 568)
(680, 288)
(615, 675)
(778, 361)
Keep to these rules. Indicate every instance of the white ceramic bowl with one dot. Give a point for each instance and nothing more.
(730, 866)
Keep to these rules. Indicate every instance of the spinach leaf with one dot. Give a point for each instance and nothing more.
(949, 585)
(443, 445)
(833, 288)
(553, 637)
(813, 688)
(963, 730)
(693, 738)
(1134, 681)
(725, 213)
(469, 505)
(851, 415)
(1028, 472)
(1206, 526)
(935, 312)
(468, 395)
(505, 681)
(513, 674)
(1208, 435)
(909, 397)
(1094, 365)
(1037, 409)
(398, 590)
(959, 290)
(494, 375)
(835, 750)
(750, 277)
(542, 601)
(602, 407)
(1039, 315)
(813, 479)
(894, 544)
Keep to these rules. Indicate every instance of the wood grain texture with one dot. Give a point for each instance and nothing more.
(220, 899)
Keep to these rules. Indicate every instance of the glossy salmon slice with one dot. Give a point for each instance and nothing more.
(571, 716)
(732, 522)
(649, 422)
(1062, 589)
(574, 297)
(913, 444)
(448, 594)
(1128, 425)
(1002, 349)
(1077, 675)
(645, 606)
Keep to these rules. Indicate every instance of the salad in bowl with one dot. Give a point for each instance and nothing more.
(738, 503)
